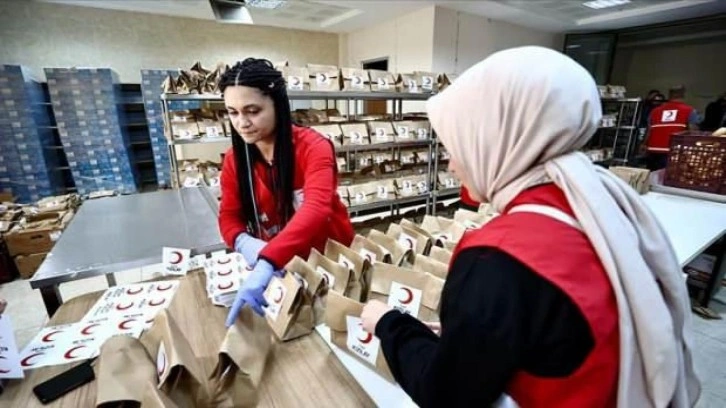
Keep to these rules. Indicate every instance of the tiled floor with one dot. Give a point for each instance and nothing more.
(25, 307)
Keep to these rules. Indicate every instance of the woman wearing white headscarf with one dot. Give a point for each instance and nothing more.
(573, 296)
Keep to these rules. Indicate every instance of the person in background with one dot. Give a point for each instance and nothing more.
(671, 117)
(715, 115)
(467, 202)
(279, 182)
(573, 296)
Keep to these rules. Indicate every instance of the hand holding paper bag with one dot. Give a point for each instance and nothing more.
(252, 291)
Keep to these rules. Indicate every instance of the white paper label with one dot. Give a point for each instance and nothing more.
(357, 82)
(370, 256)
(405, 298)
(669, 116)
(343, 260)
(407, 241)
(382, 192)
(403, 132)
(275, 296)
(356, 137)
(383, 83)
(423, 188)
(197, 261)
(363, 161)
(295, 83)
(185, 134)
(176, 260)
(422, 133)
(212, 131)
(327, 276)
(450, 183)
(381, 134)
(322, 79)
(412, 85)
(191, 182)
(363, 344)
(360, 197)
(427, 83)
(407, 187)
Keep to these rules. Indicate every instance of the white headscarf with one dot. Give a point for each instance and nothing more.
(516, 120)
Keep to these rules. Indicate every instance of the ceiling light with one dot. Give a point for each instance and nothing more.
(266, 4)
(601, 4)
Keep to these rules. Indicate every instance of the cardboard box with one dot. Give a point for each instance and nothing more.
(39, 233)
(28, 264)
(639, 179)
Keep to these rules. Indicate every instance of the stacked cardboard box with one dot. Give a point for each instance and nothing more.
(85, 104)
(25, 165)
(151, 80)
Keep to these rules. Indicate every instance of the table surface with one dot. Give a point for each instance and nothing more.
(299, 373)
(692, 225)
(117, 233)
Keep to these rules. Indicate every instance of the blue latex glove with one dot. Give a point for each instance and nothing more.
(249, 247)
(252, 291)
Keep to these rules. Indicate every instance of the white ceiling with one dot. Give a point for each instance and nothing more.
(348, 16)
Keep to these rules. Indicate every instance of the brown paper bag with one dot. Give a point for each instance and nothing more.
(169, 85)
(403, 289)
(184, 125)
(337, 277)
(409, 130)
(315, 286)
(289, 311)
(382, 81)
(370, 250)
(331, 132)
(443, 230)
(355, 80)
(448, 180)
(365, 193)
(427, 81)
(324, 78)
(357, 264)
(411, 186)
(441, 254)
(408, 83)
(355, 134)
(342, 315)
(180, 375)
(381, 132)
(297, 78)
(470, 219)
(153, 398)
(427, 264)
(411, 236)
(392, 248)
(124, 370)
(242, 358)
(385, 190)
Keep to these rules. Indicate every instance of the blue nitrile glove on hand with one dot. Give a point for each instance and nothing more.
(249, 247)
(252, 291)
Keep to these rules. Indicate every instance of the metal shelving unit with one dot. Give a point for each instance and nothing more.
(136, 126)
(621, 138)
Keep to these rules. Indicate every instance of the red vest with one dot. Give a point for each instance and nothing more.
(665, 120)
(467, 200)
(564, 256)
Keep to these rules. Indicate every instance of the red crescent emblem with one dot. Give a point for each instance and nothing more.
(154, 303)
(122, 307)
(409, 296)
(278, 299)
(26, 361)
(367, 339)
(163, 288)
(47, 337)
(179, 257)
(223, 287)
(225, 273)
(122, 325)
(87, 330)
(228, 260)
(69, 354)
(134, 292)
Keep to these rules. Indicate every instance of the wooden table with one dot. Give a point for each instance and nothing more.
(299, 373)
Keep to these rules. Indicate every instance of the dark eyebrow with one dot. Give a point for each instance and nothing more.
(252, 105)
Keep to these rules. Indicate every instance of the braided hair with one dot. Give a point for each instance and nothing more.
(261, 74)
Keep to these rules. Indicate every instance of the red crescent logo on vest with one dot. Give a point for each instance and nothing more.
(223, 287)
(179, 257)
(122, 307)
(225, 261)
(47, 337)
(26, 361)
(69, 354)
(278, 299)
(157, 303)
(409, 296)
(225, 273)
(86, 331)
(123, 324)
(134, 292)
(163, 288)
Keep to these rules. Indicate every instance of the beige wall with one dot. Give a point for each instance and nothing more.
(41, 35)
(699, 65)
(461, 39)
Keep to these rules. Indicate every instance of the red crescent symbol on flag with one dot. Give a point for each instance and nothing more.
(160, 368)
(69, 354)
(409, 296)
(154, 303)
(179, 257)
(87, 330)
(163, 288)
(223, 287)
(26, 361)
(134, 292)
(225, 273)
(121, 307)
(278, 299)
(122, 325)
(228, 260)
(47, 339)
(367, 339)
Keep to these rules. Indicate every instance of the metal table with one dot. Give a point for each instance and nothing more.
(117, 233)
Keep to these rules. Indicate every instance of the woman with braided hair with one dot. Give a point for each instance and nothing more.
(279, 181)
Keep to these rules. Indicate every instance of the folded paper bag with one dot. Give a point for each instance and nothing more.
(123, 371)
(441, 255)
(408, 290)
(336, 276)
(290, 310)
(430, 265)
(315, 286)
(411, 237)
(242, 358)
(393, 248)
(153, 398)
(357, 264)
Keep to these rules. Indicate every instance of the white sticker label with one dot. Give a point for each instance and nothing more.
(363, 161)
(322, 78)
(328, 277)
(412, 85)
(275, 296)
(403, 132)
(361, 343)
(669, 116)
(294, 83)
(343, 260)
(407, 241)
(176, 260)
(212, 131)
(185, 134)
(422, 133)
(405, 298)
(423, 188)
(381, 134)
(383, 192)
(357, 82)
(407, 187)
(356, 137)
(427, 83)
(383, 83)
(191, 182)
(360, 197)
(370, 256)
(450, 183)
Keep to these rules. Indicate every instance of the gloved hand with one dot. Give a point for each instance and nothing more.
(249, 247)
(252, 291)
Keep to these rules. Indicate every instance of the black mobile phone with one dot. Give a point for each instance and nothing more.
(64, 382)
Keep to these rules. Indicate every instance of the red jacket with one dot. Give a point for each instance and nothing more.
(468, 202)
(665, 120)
(319, 213)
(564, 256)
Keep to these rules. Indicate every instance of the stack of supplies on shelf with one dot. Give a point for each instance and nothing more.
(151, 80)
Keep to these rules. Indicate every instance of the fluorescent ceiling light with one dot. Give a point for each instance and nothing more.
(601, 4)
(266, 4)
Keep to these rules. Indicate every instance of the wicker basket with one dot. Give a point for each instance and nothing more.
(697, 161)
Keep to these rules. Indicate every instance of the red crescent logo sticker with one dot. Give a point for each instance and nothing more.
(223, 287)
(226, 261)
(409, 296)
(123, 324)
(225, 273)
(26, 361)
(47, 337)
(122, 307)
(367, 339)
(163, 288)
(155, 303)
(278, 299)
(134, 292)
(179, 257)
(87, 330)
(69, 354)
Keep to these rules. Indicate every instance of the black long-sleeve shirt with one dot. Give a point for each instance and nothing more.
(497, 317)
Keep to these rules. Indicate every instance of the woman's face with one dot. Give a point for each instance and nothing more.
(456, 168)
(252, 113)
